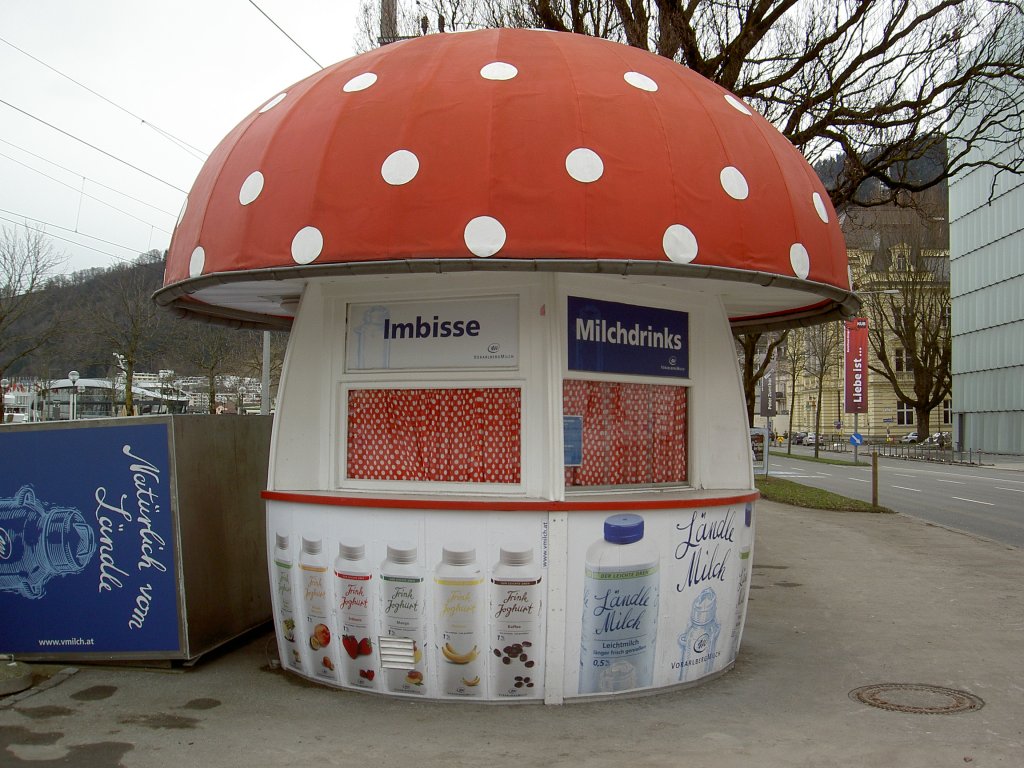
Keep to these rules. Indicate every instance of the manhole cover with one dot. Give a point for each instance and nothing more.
(917, 699)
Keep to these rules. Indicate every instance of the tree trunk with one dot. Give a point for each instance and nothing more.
(923, 417)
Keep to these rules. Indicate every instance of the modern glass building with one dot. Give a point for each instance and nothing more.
(987, 289)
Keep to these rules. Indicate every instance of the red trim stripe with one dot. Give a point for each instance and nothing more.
(506, 506)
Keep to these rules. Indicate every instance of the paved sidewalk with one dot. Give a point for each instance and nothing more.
(838, 601)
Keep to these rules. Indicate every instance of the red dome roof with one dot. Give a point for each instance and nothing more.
(508, 149)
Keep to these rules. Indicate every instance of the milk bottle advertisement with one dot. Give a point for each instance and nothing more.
(378, 600)
(87, 555)
(661, 597)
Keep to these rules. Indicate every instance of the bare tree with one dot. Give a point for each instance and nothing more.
(126, 320)
(251, 360)
(880, 84)
(909, 325)
(792, 355)
(752, 371)
(213, 351)
(823, 345)
(27, 261)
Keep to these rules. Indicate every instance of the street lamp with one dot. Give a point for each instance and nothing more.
(241, 401)
(3, 399)
(73, 406)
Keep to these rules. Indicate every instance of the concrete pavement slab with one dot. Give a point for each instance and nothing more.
(838, 601)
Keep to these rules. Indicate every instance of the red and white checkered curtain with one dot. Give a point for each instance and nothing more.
(440, 435)
(633, 434)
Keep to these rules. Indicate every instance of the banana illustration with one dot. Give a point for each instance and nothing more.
(459, 658)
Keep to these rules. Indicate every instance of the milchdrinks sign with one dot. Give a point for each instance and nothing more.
(611, 337)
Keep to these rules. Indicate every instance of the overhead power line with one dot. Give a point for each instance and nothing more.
(83, 193)
(67, 240)
(93, 147)
(181, 143)
(318, 64)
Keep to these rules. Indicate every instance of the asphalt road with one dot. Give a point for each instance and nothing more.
(983, 501)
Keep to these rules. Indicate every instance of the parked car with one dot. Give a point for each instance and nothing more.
(798, 437)
(911, 438)
(809, 439)
(938, 440)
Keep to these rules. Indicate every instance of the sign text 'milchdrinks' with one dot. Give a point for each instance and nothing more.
(611, 337)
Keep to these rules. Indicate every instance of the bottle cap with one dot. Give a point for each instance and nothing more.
(402, 553)
(704, 607)
(311, 546)
(623, 529)
(458, 554)
(69, 541)
(516, 554)
(351, 551)
(282, 540)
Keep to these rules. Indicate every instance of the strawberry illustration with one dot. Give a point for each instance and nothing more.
(365, 647)
(351, 645)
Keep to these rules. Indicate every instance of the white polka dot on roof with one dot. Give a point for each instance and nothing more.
(819, 206)
(400, 167)
(360, 82)
(197, 263)
(734, 184)
(641, 81)
(800, 260)
(251, 188)
(484, 236)
(584, 165)
(680, 244)
(498, 70)
(273, 102)
(736, 104)
(307, 245)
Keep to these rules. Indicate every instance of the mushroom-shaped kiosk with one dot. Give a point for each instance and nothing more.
(510, 457)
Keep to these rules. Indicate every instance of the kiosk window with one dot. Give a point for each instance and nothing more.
(440, 435)
(632, 434)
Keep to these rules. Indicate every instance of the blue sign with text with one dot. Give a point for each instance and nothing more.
(609, 337)
(87, 561)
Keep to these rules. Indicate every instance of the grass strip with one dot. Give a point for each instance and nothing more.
(820, 460)
(797, 495)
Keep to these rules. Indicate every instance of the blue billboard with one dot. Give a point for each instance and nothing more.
(87, 558)
(609, 337)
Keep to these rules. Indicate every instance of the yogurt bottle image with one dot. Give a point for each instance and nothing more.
(459, 607)
(620, 609)
(699, 643)
(352, 584)
(517, 623)
(402, 608)
(283, 568)
(313, 574)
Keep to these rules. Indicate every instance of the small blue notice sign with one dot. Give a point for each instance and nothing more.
(856, 439)
(572, 431)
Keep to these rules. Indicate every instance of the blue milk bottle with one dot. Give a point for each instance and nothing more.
(620, 609)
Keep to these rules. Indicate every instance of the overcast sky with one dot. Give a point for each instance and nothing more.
(191, 68)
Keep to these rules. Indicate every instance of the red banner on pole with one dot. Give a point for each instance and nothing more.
(856, 350)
